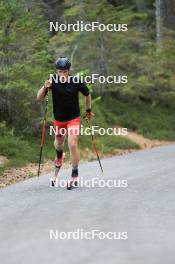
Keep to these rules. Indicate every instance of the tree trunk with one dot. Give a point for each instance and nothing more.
(141, 5)
(159, 36)
(168, 14)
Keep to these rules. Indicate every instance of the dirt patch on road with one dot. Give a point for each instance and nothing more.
(146, 143)
(3, 160)
(14, 175)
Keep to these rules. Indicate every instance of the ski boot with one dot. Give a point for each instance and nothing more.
(74, 180)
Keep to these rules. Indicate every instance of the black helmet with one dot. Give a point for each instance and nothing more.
(63, 63)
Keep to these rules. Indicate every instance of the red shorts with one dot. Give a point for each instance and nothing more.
(71, 127)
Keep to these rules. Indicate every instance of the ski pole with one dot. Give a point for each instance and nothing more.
(94, 145)
(43, 132)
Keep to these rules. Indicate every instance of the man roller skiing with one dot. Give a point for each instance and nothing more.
(66, 109)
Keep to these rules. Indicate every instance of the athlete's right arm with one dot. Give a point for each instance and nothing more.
(43, 90)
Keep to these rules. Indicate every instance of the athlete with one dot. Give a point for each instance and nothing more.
(65, 96)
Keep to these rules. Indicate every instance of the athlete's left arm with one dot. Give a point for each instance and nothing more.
(88, 102)
(85, 91)
(88, 112)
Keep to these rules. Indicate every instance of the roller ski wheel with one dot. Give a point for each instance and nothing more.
(69, 185)
(74, 182)
(53, 182)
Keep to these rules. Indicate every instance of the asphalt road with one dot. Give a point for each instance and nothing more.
(31, 211)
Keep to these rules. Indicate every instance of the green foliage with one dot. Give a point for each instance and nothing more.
(151, 121)
(133, 53)
(24, 62)
(28, 49)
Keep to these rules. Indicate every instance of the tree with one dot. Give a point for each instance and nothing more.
(24, 61)
(168, 13)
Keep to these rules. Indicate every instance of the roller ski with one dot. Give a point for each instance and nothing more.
(74, 181)
(54, 180)
(58, 163)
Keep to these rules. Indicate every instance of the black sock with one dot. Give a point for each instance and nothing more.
(74, 172)
(59, 153)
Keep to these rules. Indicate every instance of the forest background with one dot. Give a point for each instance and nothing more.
(145, 53)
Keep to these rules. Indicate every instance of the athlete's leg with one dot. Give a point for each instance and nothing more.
(73, 148)
(73, 135)
(59, 145)
(60, 128)
(74, 157)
